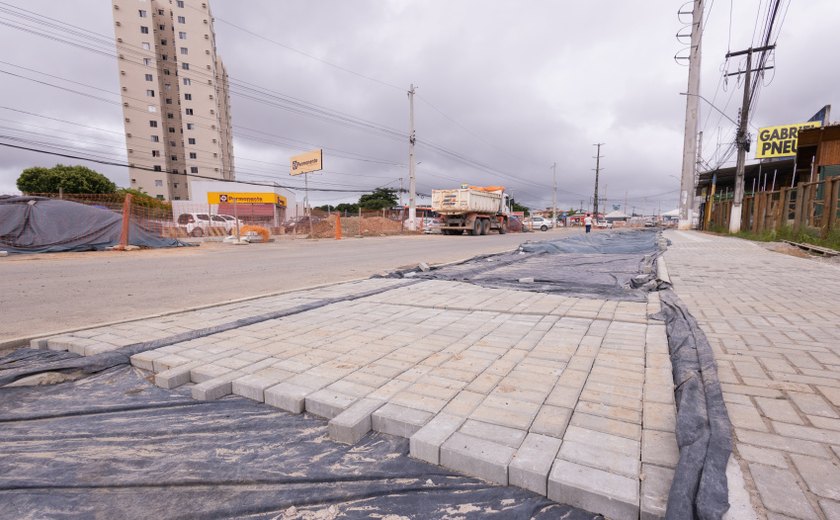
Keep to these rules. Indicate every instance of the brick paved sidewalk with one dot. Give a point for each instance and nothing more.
(773, 321)
(568, 397)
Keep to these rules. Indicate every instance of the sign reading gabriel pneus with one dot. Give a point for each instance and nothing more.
(307, 162)
(780, 141)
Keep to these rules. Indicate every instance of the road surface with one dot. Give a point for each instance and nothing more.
(46, 293)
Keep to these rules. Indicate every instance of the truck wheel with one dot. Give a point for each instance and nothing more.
(476, 230)
(485, 226)
(503, 228)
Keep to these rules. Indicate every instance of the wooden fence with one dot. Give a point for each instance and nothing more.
(811, 207)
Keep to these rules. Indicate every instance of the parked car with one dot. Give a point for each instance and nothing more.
(603, 224)
(231, 222)
(431, 225)
(195, 224)
(543, 224)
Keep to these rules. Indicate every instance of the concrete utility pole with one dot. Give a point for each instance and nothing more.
(691, 108)
(597, 172)
(554, 199)
(742, 139)
(412, 181)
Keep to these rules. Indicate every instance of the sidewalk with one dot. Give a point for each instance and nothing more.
(567, 397)
(773, 321)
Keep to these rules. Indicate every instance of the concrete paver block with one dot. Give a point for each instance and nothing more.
(614, 496)
(494, 433)
(394, 419)
(656, 483)
(596, 456)
(252, 386)
(477, 457)
(660, 448)
(176, 376)
(217, 388)
(551, 420)
(287, 396)
(353, 423)
(145, 360)
(425, 444)
(532, 463)
(328, 403)
(780, 493)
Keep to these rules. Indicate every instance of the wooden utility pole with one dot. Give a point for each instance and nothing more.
(597, 172)
(742, 138)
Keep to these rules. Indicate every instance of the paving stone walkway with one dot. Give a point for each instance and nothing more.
(567, 397)
(773, 321)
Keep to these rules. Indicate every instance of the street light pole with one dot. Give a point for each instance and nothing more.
(412, 181)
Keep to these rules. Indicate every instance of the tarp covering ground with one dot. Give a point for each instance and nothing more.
(113, 445)
(609, 265)
(42, 225)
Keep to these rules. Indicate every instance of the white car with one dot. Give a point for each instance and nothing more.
(231, 222)
(195, 224)
(604, 224)
(543, 224)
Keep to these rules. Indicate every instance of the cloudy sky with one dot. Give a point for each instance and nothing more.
(505, 89)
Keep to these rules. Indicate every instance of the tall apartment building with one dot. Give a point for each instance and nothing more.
(175, 96)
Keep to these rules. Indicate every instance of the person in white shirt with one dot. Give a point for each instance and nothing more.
(588, 222)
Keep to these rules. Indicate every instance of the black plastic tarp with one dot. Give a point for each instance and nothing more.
(42, 225)
(610, 265)
(113, 445)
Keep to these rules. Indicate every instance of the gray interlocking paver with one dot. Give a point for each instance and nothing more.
(494, 383)
(774, 332)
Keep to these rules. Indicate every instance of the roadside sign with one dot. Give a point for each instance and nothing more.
(307, 162)
(229, 197)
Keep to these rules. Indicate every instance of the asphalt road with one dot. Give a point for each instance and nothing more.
(48, 293)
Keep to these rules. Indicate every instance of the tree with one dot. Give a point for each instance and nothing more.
(71, 179)
(381, 198)
(519, 207)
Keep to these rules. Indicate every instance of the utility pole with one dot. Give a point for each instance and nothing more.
(412, 181)
(554, 200)
(597, 172)
(401, 193)
(742, 139)
(692, 102)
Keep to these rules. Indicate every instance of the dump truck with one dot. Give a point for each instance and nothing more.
(474, 209)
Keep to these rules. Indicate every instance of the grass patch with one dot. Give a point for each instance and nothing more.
(832, 241)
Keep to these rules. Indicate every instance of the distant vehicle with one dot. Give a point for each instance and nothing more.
(431, 225)
(603, 224)
(231, 222)
(195, 224)
(650, 223)
(543, 224)
(474, 209)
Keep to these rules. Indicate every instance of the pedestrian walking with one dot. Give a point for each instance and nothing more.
(588, 222)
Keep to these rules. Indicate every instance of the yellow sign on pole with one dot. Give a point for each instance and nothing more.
(307, 162)
(229, 197)
(780, 141)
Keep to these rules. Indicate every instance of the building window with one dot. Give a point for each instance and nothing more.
(184, 50)
(193, 169)
(161, 12)
(146, 46)
(143, 13)
(163, 42)
(168, 101)
(155, 153)
(188, 97)
(167, 86)
(147, 61)
(190, 126)
(155, 139)
(189, 111)
(171, 129)
(175, 185)
(165, 72)
(153, 124)
(158, 183)
(162, 27)
(157, 168)
(152, 108)
(144, 29)
(149, 77)
(160, 197)
(193, 155)
(163, 57)
(182, 35)
(170, 115)
(191, 140)
(182, 19)
(185, 65)
(173, 143)
(180, 3)
(187, 81)
(150, 93)
(174, 158)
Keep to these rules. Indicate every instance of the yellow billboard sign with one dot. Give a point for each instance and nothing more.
(229, 197)
(307, 162)
(780, 141)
